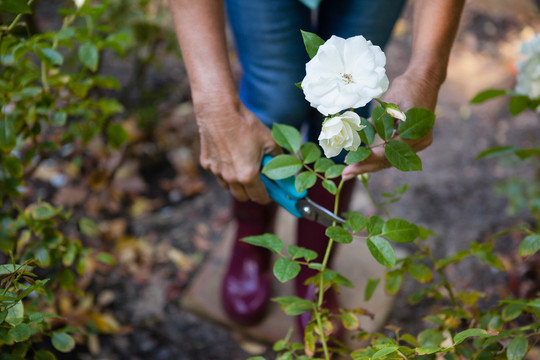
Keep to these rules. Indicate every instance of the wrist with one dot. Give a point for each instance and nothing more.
(430, 70)
(215, 106)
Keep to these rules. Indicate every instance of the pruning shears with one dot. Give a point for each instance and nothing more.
(284, 193)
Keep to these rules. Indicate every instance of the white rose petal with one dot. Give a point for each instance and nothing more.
(528, 79)
(340, 132)
(79, 3)
(345, 73)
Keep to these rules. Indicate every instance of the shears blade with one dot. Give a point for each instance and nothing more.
(315, 212)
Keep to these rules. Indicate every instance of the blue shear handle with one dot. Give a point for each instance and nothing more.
(283, 192)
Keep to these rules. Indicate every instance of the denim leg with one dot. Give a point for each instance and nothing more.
(273, 57)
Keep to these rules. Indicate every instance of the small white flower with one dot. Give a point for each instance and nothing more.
(340, 132)
(345, 73)
(79, 3)
(528, 79)
(396, 113)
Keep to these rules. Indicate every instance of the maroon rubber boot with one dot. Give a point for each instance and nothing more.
(246, 286)
(311, 235)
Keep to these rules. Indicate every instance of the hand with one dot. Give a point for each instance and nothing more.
(233, 142)
(406, 91)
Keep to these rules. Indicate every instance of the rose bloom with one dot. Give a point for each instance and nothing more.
(340, 132)
(528, 79)
(345, 73)
(79, 3)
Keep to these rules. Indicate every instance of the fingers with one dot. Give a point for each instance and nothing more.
(244, 187)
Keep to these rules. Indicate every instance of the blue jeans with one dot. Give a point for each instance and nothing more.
(273, 57)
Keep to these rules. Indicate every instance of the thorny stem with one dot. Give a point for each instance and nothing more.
(321, 281)
(17, 18)
(314, 172)
(323, 337)
(371, 198)
(445, 282)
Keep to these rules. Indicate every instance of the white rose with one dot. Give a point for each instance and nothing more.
(345, 73)
(340, 132)
(528, 79)
(79, 3)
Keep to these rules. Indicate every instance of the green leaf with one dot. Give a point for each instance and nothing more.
(50, 56)
(323, 164)
(384, 123)
(530, 245)
(375, 225)
(117, 135)
(282, 166)
(420, 273)
(357, 156)
(355, 221)
(88, 227)
(268, 241)
(293, 305)
(59, 118)
(339, 234)
(527, 153)
(13, 166)
(310, 152)
(337, 278)
(287, 137)
(367, 134)
(20, 332)
(402, 156)
(43, 256)
(62, 342)
(106, 258)
(8, 138)
(297, 252)
(517, 348)
(44, 355)
(393, 282)
(330, 186)
(417, 125)
(384, 351)
(511, 312)
(15, 7)
(15, 314)
(426, 350)
(312, 42)
(460, 255)
(334, 171)
(486, 95)
(430, 338)
(518, 104)
(460, 337)
(350, 321)
(286, 269)
(496, 151)
(382, 251)
(371, 286)
(89, 55)
(67, 279)
(304, 181)
(400, 230)
(43, 211)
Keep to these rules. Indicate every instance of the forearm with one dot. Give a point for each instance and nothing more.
(435, 23)
(200, 28)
